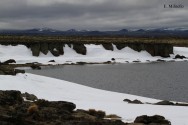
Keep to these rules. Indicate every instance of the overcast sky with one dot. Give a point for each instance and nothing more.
(91, 14)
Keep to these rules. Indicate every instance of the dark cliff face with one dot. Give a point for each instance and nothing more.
(57, 49)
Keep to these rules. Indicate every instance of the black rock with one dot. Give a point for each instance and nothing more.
(35, 66)
(30, 97)
(179, 57)
(19, 71)
(164, 103)
(160, 60)
(133, 102)
(80, 49)
(9, 61)
(35, 48)
(52, 61)
(152, 119)
(108, 46)
(113, 59)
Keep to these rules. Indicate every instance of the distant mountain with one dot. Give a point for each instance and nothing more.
(158, 32)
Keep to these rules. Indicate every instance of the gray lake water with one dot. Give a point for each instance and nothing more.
(166, 81)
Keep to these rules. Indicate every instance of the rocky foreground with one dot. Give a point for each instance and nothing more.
(26, 109)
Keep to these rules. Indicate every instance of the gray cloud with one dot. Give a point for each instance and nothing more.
(91, 14)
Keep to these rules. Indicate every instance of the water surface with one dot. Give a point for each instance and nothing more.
(166, 81)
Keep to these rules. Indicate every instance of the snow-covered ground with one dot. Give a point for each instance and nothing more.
(86, 97)
(95, 54)
(89, 98)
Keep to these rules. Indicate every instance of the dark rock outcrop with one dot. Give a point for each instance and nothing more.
(29, 97)
(120, 46)
(108, 46)
(155, 49)
(9, 61)
(7, 70)
(36, 67)
(10, 98)
(35, 48)
(156, 120)
(56, 48)
(133, 102)
(164, 103)
(16, 111)
(113, 59)
(80, 48)
(179, 57)
(51, 61)
(53, 49)
(44, 48)
(160, 60)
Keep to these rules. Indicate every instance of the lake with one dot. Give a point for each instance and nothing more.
(165, 81)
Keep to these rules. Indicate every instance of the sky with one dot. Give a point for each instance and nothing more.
(92, 14)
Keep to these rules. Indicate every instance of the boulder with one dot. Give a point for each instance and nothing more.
(160, 120)
(80, 49)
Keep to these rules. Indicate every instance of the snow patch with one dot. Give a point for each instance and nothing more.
(90, 98)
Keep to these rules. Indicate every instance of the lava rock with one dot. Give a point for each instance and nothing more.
(19, 71)
(9, 61)
(108, 46)
(54, 49)
(35, 67)
(164, 103)
(44, 48)
(10, 98)
(179, 57)
(35, 48)
(16, 111)
(120, 46)
(113, 59)
(29, 97)
(160, 60)
(57, 104)
(80, 49)
(133, 102)
(152, 120)
(51, 61)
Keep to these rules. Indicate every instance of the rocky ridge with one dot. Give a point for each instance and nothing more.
(57, 48)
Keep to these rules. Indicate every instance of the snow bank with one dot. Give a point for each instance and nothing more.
(95, 54)
(87, 98)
